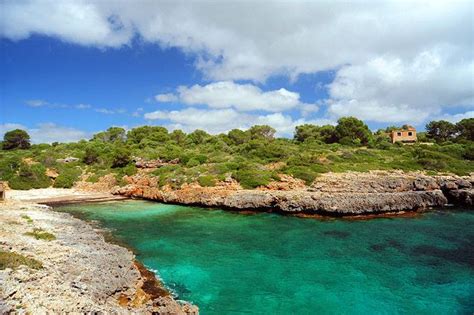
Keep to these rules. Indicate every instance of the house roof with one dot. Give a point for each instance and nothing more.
(410, 128)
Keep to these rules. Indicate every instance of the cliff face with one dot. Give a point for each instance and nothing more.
(331, 194)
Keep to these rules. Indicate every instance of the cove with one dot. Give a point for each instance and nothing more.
(230, 263)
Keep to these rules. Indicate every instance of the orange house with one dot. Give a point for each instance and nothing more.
(403, 135)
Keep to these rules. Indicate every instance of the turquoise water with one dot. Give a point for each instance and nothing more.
(229, 263)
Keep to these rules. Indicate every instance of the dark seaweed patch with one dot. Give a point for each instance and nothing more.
(378, 247)
(391, 243)
(337, 234)
(463, 254)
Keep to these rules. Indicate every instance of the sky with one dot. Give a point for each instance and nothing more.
(69, 69)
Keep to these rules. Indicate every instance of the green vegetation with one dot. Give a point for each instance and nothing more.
(41, 234)
(16, 139)
(207, 181)
(67, 177)
(254, 157)
(14, 260)
(29, 176)
(27, 218)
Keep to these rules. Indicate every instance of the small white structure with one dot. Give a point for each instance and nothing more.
(69, 159)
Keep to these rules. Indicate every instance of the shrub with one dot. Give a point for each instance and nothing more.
(252, 178)
(67, 178)
(120, 157)
(27, 218)
(40, 234)
(128, 170)
(207, 181)
(193, 162)
(9, 167)
(469, 152)
(30, 176)
(91, 156)
(14, 260)
(302, 172)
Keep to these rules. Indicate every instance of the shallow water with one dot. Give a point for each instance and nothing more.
(229, 263)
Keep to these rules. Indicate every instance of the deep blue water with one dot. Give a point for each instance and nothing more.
(229, 263)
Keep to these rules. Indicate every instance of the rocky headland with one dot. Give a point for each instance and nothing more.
(335, 194)
(57, 264)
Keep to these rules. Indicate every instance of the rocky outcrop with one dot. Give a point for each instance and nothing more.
(332, 194)
(458, 191)
(143, 163)
(80, 274)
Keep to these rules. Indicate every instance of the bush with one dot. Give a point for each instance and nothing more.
(207, 181)
(67, 178)
(13, 260)
(40, 234)
(193, 162)
(469, 152)
(301, 172)
(9, 167)
(252, 178)
(30, 176)
(91, 156)
(120, 157)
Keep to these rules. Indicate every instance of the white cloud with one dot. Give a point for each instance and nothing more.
(9, 126)
(79, 22)
(83, 106)
(454, 118)
(243, 97)
(388, 89)
(48, 132)
(168, 97)
(398, 60)
(36, 103)
(222, 120)
(104, 111)
(254, 40)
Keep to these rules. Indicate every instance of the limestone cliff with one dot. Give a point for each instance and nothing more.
(331, 194)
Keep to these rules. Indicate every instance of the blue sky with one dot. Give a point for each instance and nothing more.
(69, 71)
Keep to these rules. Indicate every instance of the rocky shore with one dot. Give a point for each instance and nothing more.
(74, 270)
(331, 194)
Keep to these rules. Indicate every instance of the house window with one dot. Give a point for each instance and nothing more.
(410, 133)
(399, 134)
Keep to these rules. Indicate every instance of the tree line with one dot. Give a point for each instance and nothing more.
(348, 131)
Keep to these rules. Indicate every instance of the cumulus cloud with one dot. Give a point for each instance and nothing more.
(243, 97)
(79, 22)
(47, 132)
(168, 97)
(454, 118)
(388, 89)
(253, 40)
(222, 120)
(396, 61)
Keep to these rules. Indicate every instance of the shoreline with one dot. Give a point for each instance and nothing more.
(72, 277)
(332, 195)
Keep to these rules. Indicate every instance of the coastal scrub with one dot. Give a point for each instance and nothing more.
(40, 234)
(14, 260)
